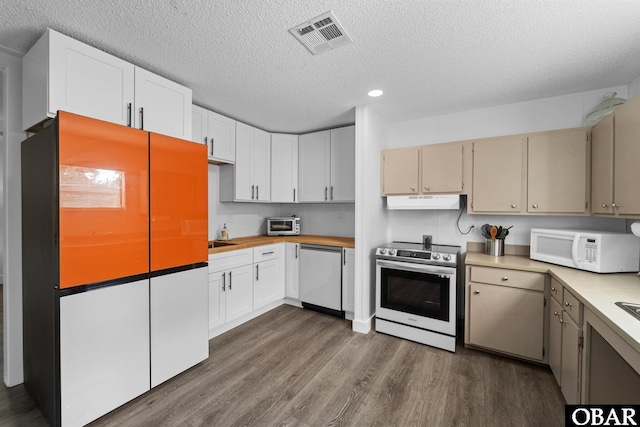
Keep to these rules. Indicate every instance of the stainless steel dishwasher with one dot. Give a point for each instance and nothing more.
(321, 278)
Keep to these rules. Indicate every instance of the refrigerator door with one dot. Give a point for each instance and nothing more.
(103, 200)
(104, 350)
(179, 202)
(179, 313)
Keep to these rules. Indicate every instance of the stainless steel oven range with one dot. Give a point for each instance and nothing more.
(416, 289)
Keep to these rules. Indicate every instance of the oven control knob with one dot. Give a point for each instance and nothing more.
(383, 251)
(435, 255)
(446, 257)
(392, 251)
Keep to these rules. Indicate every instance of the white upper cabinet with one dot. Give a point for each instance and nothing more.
(217, 132)
(221, 138)
(284, 168)
(162, 106)
(249, 180)
(343, 164)
(314, 166)
(60, 73)
(198, 124)
(327, 166)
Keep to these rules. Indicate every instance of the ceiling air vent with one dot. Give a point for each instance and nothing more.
(321, 34)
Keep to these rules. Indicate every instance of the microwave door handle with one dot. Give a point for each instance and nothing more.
(574, 250)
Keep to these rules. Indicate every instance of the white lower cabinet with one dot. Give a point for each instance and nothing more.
(269, 282)
(230, 295)
(104, 350)
(292, 272)
(348, 281)
(243, 284)
(178, 313)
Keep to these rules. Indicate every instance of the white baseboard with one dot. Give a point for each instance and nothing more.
(361, 326)
(237, 322)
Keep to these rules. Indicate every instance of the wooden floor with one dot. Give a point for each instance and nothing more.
(295, 367)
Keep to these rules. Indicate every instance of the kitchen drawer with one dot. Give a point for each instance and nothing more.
(267, 252)
(556, 290)
(230, 259)
(572, 306)
(511, 278)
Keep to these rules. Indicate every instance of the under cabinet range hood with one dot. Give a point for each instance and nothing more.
(441, 201)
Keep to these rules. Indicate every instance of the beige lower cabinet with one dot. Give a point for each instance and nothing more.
(506, 312)
(565, 341)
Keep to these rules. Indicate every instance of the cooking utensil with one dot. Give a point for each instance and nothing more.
(485, 231)
(493, 232)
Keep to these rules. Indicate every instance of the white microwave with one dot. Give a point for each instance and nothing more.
(597, 251)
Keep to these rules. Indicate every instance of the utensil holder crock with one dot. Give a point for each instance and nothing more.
(494, 247)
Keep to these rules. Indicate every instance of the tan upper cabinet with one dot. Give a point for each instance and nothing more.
(442, 168)
(499, 165)
(400, 171)
(557, 172)
(427, 169)
(626, 196)
(602, 167)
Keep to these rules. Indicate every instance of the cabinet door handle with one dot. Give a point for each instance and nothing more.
(513, 206)
(615, 205)
(331, 192)
(294, 194)
(476, 292)
(553, 289)
(535, 206)
(568, 304)
(344, 256)
(257, 192)
(212, 146)
(505, 278)
(604, 205)
(229, 280)
(253, 188)
(257, 272)
(141, 118)
(326, 189)
(205, 141)
(561, 320)
(426, 187)
(224, 279)
(129, 114)
(413, 188)
(555, 313)
(297, 251)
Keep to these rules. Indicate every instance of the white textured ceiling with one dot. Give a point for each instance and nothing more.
(430, 57)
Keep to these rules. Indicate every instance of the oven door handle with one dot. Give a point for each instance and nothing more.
(407, 266)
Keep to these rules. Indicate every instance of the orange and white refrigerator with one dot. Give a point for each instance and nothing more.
(114, 253)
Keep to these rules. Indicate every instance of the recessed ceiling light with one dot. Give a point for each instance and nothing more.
(375, 93)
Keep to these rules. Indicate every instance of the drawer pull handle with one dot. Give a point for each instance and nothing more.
(555, 313)
(561, 320)
(553, 289)
(476, 292)
(505, 278)
(268, 253)
(535, 206)
(568, 304)
(513, 206)
(604, 205)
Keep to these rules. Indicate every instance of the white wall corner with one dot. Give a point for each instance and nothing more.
(634, 87)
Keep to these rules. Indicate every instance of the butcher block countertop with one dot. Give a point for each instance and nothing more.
(598, 292)
(217, 246)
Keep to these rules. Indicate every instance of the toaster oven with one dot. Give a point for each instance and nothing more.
(283, 226)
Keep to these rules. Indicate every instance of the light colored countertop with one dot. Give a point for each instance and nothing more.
(598, 292)
(253, 241)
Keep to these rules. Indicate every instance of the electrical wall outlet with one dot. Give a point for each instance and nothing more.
(426, 240)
